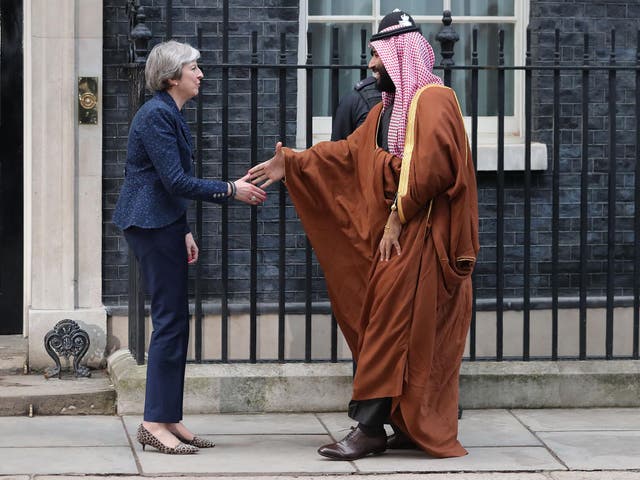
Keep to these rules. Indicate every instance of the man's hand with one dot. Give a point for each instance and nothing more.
(247, 192)
(192, 248)
(390, 237)
(270, 171)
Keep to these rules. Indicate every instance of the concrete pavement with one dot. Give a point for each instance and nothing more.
(557, 444)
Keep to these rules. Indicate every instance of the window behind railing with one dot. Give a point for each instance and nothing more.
(488, 16)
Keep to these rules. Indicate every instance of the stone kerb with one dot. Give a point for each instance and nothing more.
(300, 387)
(565, 384)
(241, 388)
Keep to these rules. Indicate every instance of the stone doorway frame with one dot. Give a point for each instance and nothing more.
(62, 175)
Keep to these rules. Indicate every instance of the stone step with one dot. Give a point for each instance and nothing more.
(22, 394)
(13, 353)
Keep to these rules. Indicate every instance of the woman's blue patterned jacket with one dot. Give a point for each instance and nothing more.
(158, 180)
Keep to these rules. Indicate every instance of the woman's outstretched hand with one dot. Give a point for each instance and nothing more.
(247, 192)
(265, 173)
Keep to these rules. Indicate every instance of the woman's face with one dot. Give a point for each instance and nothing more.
(188, 85)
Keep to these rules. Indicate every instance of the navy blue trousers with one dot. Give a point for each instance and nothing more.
(162, 255)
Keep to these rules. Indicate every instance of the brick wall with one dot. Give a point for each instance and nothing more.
(269, 18)
(573, 19)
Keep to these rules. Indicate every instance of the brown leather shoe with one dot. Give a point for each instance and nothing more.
(355, 445)
(399, 441)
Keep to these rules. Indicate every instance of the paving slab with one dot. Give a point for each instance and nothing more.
(89, 431)
(397, 476)
(560, 419)
(246, 424)
(601, 475)
(283, 447)
(619, 450)
(67, 460)
(511, 459)
(491, 428)
(477, 428)
(237, 454)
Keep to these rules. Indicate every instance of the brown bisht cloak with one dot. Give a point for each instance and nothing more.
(405, 320)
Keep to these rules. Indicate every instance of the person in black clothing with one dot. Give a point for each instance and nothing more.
(354, 107)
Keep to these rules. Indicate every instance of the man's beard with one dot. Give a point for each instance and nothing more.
(384, 83)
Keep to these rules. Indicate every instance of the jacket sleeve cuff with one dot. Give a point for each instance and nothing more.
(219, 192)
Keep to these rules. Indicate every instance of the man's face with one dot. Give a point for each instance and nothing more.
(383, 80)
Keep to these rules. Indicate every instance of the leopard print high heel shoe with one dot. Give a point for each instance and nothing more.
(196, 441)
(145, 438)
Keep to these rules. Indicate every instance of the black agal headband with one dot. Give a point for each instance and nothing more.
(397, 17)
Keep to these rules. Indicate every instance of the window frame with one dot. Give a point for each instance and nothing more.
(487, 125)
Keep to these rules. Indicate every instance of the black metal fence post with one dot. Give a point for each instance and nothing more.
(363, 53)
(198, 313)
(308, 250)
(474, 155)
(636, 250)
(526, 307)
(611, 230)
(139, 36)
(168, 20)
(555, 220)
(282, 205)
(500, 203)
(447, 37)
(253, 281)
(224, 214)
(335, 73)
(584, 199)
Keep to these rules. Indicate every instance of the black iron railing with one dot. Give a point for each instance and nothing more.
(616, 295)
(139, 36)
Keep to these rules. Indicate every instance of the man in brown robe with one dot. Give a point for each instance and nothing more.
(392, 215)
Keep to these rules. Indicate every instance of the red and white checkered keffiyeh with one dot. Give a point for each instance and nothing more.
(408, 59)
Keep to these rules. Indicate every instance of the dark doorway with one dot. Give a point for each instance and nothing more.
(11, 161)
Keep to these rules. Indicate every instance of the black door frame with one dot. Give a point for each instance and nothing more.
(11, 168)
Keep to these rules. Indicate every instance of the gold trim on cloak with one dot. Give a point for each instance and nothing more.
(409, 143)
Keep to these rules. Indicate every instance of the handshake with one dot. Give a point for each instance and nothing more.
(243, 190)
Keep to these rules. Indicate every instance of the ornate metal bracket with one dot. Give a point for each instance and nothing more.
(67, 339)
(447, 37)
(139, 33)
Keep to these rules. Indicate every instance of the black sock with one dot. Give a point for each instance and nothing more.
(372, 430)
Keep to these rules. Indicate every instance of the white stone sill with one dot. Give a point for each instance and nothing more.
(487, 156)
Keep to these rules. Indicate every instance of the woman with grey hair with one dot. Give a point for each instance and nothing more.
(151, 211)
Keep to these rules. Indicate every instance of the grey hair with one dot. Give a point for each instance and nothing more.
(165, 63)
